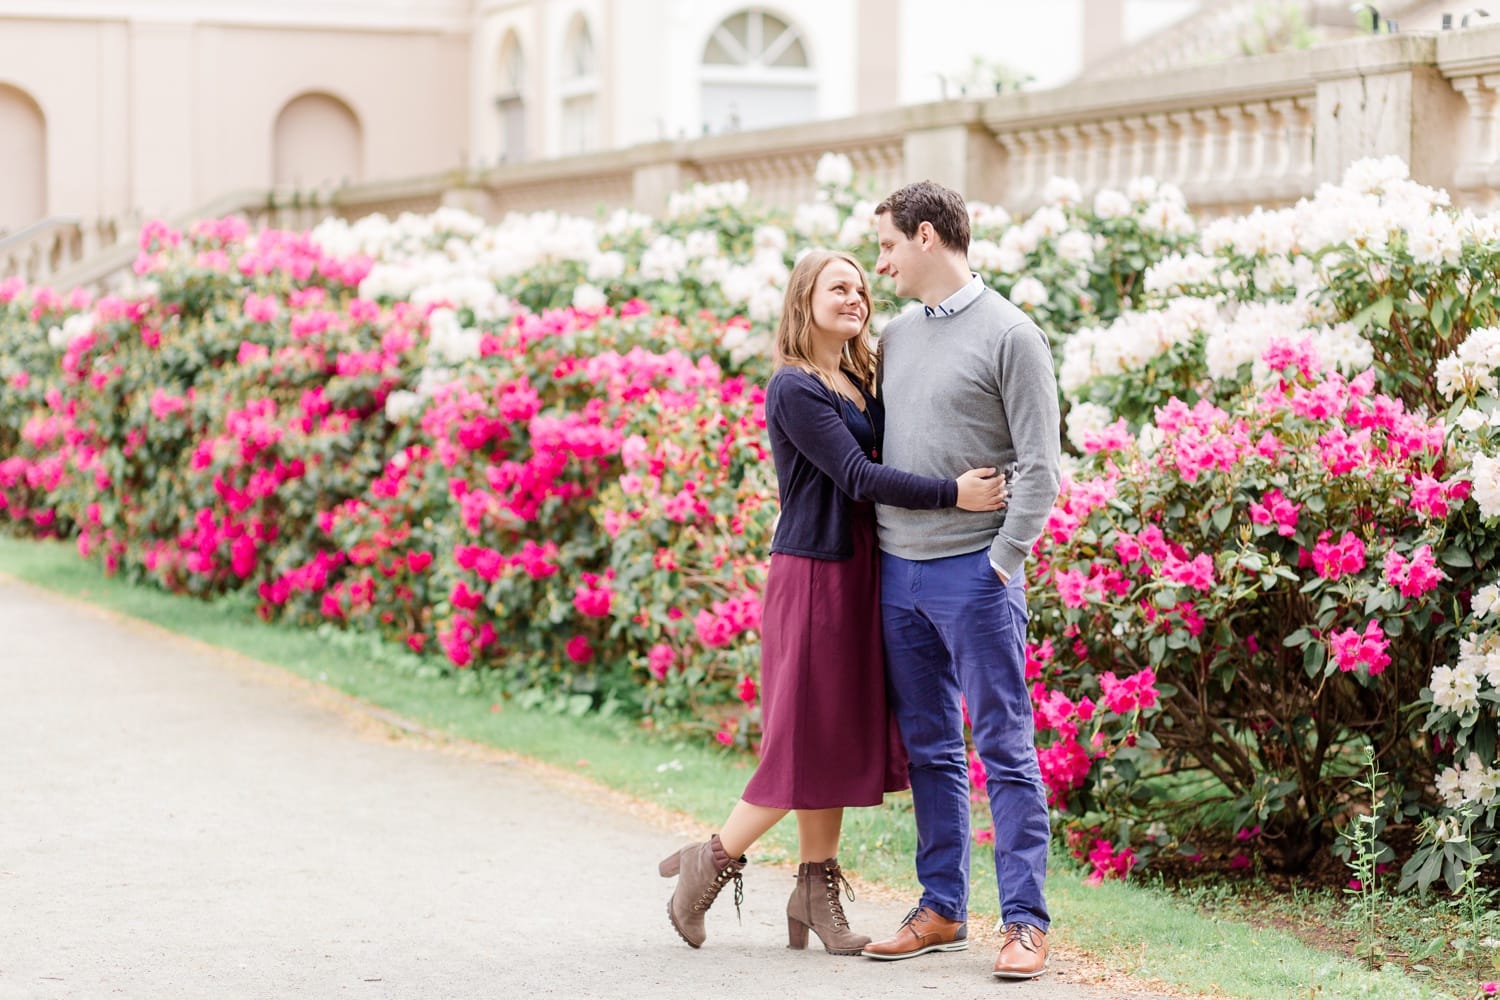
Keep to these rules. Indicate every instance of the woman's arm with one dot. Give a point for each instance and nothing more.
(805, 411)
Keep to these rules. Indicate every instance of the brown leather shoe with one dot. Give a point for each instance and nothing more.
(922, 931)
(1023, 954)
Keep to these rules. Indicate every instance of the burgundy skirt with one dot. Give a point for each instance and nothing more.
(827, 734)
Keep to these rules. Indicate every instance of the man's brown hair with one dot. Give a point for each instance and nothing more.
(926, 201)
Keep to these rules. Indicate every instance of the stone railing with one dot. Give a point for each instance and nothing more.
(1221, 30)
(1470, 64)
(1261, 131)
(55, 244)
(1228, 142)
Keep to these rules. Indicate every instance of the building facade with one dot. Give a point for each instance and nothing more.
(121, 108)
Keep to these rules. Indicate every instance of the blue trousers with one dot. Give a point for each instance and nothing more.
(952, 628)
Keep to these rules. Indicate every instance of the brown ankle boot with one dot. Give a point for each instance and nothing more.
(815, 906)
(703, 870)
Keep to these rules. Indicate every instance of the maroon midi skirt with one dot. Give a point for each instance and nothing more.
(827, 734)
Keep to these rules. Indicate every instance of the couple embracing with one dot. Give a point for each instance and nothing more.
(870, 652)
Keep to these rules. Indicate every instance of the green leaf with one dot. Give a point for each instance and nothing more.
(1454, 555)
(1377, 312)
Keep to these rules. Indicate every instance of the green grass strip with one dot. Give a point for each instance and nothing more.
(1140, 931)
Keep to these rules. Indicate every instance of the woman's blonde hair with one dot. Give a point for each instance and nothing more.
(793, 345)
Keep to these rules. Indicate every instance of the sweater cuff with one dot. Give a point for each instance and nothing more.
(1006, 558)
(950, 493)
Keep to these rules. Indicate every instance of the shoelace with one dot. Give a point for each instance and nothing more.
(835, 906)
(1020, 932)
(717, 885)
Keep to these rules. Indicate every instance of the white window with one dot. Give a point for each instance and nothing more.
(756, 73)
(579, 90)
(510, 100)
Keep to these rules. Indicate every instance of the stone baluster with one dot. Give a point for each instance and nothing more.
(1117, 150)
(1265, 123)
(1237, 146)
(1210, 148)
(1162, 152)
(1016, 166)
(1472, 175)
(1188, 152)
(1301, 129)
(1069, 150)
(1091, 165)
(1137, 151)
(1050, 163)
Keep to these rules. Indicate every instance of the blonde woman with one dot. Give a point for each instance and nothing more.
(828, 740)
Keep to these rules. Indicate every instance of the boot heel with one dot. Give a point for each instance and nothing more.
(671, 865)
(796, 934)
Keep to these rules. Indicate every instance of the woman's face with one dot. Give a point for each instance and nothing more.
(840, 301)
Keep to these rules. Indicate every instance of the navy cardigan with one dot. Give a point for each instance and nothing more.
(821, 468)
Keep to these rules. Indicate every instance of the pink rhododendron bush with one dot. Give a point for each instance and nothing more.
(535, 449)
(1263, 556)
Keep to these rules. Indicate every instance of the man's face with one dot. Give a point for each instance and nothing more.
(900, 256)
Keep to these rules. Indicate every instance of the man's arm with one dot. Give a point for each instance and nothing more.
(1028, 391)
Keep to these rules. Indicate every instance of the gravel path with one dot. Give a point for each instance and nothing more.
(176, 821)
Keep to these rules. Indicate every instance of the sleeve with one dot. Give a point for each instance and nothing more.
(801, 409)
(1028, 391)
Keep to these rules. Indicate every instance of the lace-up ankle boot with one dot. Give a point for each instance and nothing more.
(702, 870)
(815, 906)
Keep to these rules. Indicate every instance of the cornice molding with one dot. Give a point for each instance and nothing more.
(367, 15)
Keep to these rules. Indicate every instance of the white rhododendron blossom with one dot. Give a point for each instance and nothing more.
(770, 238)
(1076, 247)
(1028, 292)
(1244, 338)
(702, 198)
(985, 255)
(1132, 341)
(606, 267)
(1062, 191)
(589, 298)
(624, 222)
(859, 225)
(1112, 204)
(1486, 601)
(834, 170)
(1086, 419)
(664, 260)
(80, 324)
(1177, 274)
(701, 243)
(401, 404)
(817, 220)
(1471, 782)
(449, 340)
(983, 215)
(1471, 368)
(1484, 473)
(1045, 223)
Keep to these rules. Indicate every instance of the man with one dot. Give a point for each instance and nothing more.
(967, 381)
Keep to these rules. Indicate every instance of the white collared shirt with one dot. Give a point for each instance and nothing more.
(953, 303)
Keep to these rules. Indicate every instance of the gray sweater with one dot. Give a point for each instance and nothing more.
(970, 390)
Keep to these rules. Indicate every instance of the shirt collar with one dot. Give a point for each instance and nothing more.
(953, 303)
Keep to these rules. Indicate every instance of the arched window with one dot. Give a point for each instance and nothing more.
(318, 141)
(510, 100)
(23, 160)
(579, 90)
(756, 73)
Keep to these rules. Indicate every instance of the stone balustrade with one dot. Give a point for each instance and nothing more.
(56, 244)
(1470, 62)
(1253, 131)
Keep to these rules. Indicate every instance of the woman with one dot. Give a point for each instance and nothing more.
(828, 740)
